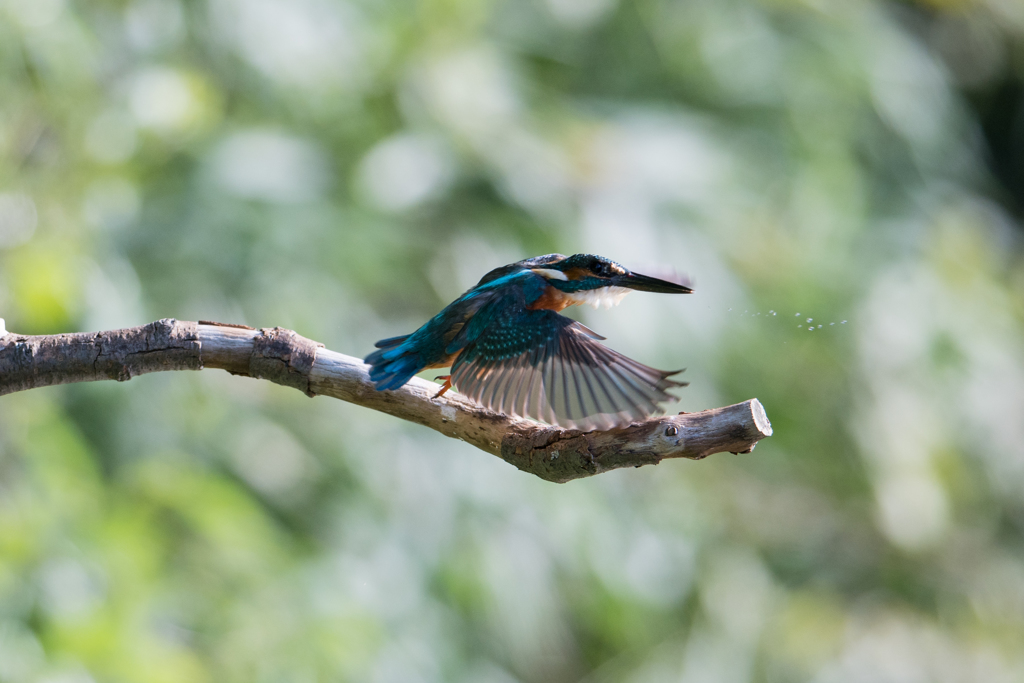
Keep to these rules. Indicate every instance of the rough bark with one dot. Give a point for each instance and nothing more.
(286, 358)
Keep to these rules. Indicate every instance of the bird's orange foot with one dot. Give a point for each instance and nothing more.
(447, 385)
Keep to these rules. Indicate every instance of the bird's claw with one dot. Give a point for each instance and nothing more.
(447, 385)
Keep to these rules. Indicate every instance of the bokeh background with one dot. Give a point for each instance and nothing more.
(843, 180)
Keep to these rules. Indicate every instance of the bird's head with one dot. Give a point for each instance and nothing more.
(595, 280)
(587, 272)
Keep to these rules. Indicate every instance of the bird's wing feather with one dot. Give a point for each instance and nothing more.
(542, 365)
(480, 309)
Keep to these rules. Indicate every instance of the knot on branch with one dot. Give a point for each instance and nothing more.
(166, 344)
(283, 357)
(554, 454)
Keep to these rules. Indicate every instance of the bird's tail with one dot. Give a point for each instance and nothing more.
(394, 364)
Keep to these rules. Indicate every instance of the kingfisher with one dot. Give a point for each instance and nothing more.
(511, 351)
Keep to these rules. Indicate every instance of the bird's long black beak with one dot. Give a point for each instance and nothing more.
(644, 283)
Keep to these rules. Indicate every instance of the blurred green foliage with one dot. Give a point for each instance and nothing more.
(843, 181)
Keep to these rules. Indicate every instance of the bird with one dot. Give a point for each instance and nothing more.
(511, 351)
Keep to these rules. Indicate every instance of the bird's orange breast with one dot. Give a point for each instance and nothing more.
(552, 299)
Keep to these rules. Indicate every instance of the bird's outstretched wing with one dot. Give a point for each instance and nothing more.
(542, 365)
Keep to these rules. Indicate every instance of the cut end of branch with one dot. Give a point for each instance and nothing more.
(761, 422)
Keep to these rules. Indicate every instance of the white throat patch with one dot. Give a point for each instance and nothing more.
(604, 297)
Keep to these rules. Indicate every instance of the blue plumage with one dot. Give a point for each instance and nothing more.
(511, 351)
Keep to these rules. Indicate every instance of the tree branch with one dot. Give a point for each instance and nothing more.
(284, 357)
